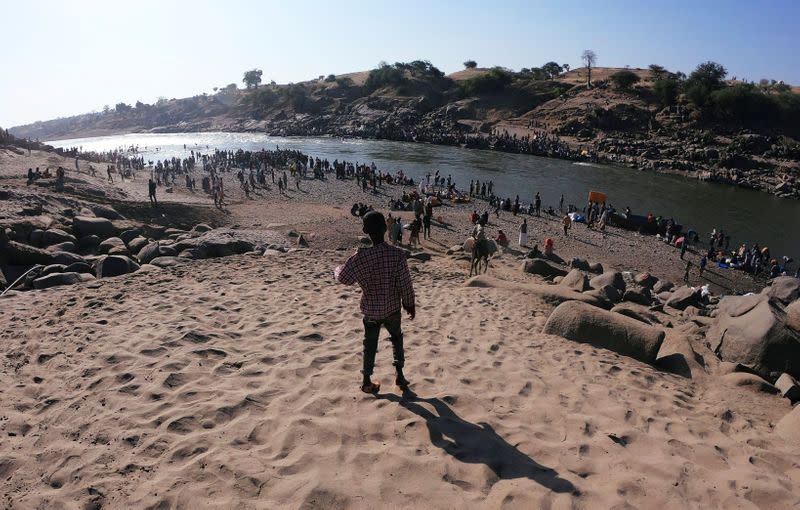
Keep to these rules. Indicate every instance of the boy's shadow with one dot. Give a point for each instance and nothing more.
(477, 443)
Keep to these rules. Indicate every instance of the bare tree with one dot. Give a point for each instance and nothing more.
(589, 57)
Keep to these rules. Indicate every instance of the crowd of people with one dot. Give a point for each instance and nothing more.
(258, 169)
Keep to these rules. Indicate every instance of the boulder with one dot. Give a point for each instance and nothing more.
(612, 294)
(793, 316)
(543, 268)
(191, 253)
(129, 235)
(646, 280)
(148, 253)
(66, 258)
(119, 250)
(639, 295)
(114, 265)
(101, 227)
(682, 297)
(78, 267)
(136, 244)
(172, 232)
(111, 242)
(638, 312)
(167, 251)
(784, 289)
(55, 236)
(612, 278)
(201, 227)
(65, 246)
(788, 427)
(663, 286)
(596, 268)
(788, 387)
(749, 381)
(53, 268)
(582, 322)
(104, 211)
(36, 237)
(676, 355)
(601, 297)
(550, 294)
(89, 243)
(19, 254)
(216, 244)
(55, 279)
(750, 330)
(579, 263)
(167, 261)
(576, 280)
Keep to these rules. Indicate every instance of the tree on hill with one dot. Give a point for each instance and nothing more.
(707, 78)
(658, 72)
(470, 64)
(384, 75)
(625, 79)
(252, 78)
(666, 90)
(488, 83)
(589, 58)
(565, 67)
(552, 69)
(122, 108)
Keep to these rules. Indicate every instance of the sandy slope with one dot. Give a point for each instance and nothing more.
(233, 382)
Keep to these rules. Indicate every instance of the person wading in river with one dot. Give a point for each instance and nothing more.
(382, 273)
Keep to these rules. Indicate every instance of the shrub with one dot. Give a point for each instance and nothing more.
(382, 76)
(625, 79)
(330, 78)
(708, 77)
(470, 64)
(666, 91)
(344, 81)
(490, 82)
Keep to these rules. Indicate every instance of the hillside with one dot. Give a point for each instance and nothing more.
(701, 125)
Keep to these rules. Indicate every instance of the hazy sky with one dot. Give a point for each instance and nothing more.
(62, 58)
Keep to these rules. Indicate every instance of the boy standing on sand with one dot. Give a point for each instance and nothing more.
(382, 273)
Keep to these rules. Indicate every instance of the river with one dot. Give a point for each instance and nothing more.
(749, 216)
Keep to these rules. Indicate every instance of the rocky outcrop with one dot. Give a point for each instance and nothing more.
(216, 243)
(610, 278)
(543, 268)
(114, 265)
(85, 226)
(683, 297)
(750, 330)
(784, 289)
(576, 280)
(582, 322)
(56, 279)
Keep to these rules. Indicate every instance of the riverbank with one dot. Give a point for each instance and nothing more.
(747, 216)
(235, 379)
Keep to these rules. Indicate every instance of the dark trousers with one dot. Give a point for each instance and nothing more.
(372, 330)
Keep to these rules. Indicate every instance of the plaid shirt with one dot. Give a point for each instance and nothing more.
(382, 273)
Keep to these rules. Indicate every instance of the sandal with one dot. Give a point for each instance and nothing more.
(371, 387)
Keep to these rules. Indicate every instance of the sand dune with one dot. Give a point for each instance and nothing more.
(233, 382)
